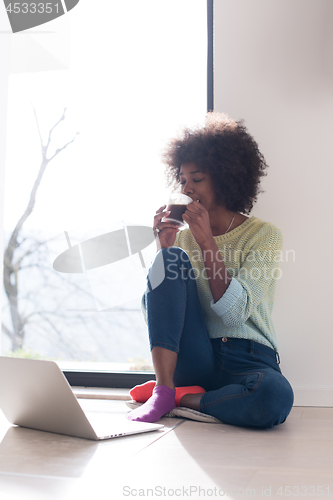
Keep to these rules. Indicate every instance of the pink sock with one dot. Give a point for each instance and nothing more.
(161, 402)
(141, 393)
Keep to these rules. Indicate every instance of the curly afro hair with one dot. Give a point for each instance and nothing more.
(225, 150)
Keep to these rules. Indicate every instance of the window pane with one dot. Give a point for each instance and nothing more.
(129, 74)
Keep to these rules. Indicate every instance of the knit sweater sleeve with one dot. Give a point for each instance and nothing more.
(255, 280)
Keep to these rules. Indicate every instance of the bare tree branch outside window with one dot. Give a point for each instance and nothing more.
(13, 258)
(38, 297)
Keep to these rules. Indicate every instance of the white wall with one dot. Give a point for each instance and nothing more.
(274, 68)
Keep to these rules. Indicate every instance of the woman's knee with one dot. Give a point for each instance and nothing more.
(174, 255)
(175, 262)
(167, 264)
(276, 401)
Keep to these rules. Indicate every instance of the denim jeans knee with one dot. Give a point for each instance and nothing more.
(174, 315)
(169, 264)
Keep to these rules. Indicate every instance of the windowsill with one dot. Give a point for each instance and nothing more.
(101, 393)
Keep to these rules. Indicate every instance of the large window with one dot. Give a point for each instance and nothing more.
(82, 185)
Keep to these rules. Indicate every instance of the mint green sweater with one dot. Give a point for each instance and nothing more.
(251, 253)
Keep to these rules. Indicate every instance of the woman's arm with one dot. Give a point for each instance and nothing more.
(236, 298)
(197, 218)
(256, 279)
(217, 274)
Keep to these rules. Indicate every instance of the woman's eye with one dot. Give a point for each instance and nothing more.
(194, 180)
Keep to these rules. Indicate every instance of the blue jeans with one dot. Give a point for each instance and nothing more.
(243, 382)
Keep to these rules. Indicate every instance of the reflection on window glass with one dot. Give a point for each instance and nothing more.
(93, 97)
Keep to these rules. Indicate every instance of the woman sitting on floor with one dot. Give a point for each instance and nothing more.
(211, 334)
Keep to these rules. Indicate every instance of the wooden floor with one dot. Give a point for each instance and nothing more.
(185, 460)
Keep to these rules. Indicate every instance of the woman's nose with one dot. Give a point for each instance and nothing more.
(187, 188)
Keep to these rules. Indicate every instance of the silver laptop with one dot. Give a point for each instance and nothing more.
(36, 394)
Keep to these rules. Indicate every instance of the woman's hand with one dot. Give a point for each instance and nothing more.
(197, 217)
(165, 232)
